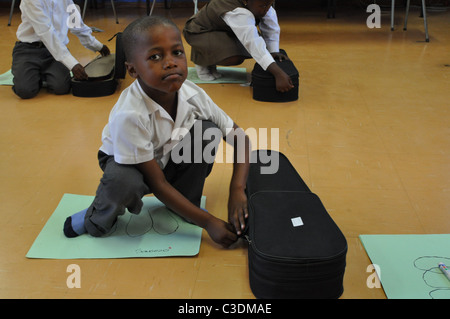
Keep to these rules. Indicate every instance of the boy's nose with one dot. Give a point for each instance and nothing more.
(169, 62)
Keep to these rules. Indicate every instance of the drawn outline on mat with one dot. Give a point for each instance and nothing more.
(140, 224)
(432, 270)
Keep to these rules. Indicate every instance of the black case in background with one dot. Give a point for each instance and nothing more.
(264, 85)
(104, 84)
(296, 251)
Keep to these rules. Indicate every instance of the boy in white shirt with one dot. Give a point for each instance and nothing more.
(159, 118)
(41, 50)
(224, 32)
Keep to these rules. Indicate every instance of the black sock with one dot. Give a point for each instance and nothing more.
(68, 230)
(74, 225)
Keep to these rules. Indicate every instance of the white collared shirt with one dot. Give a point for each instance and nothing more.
(139, 129)
(49, 21)
(242, 22)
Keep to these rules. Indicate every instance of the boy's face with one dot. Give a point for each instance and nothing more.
(259, 8)
(159, 62)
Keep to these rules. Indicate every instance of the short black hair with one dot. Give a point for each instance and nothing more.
(137, 27)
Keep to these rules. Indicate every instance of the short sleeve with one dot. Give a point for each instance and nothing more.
(206, 109)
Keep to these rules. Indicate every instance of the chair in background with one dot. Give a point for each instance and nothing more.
(113, 7)
(13, 2)
(150, 10)
(424, 14)
(195, 6)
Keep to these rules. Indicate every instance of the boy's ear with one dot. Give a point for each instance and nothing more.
(131, 69)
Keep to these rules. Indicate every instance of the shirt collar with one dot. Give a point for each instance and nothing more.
(184, 94)
(151, 105)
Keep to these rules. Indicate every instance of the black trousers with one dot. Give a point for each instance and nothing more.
(122, 186)
(32, 65)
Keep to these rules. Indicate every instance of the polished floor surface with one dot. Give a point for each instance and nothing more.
(370, 134)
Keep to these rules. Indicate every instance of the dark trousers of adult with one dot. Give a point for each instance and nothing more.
(32, 64)
(122, 186)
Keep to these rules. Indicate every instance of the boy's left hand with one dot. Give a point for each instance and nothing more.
(104, 51)
(279, 56)
(237, 209)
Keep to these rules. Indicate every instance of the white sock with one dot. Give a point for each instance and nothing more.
(204, 73)
(213, 70)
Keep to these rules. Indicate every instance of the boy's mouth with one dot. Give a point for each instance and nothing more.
(172, 76)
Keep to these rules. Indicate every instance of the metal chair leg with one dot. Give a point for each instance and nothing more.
(406, 14)
(195, 7)
(113, 7)
(392, 15)
(114, 10)
(11, 12)
(84, 9)
(424, 11)
(150, 11)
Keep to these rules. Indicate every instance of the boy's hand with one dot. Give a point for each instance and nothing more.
(283, 81)
(279, 56)
(237, 209)
(79, 73)
(104, 51)
(221, 232)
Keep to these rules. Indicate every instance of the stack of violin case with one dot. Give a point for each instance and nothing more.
(295, 251)
(104, 73)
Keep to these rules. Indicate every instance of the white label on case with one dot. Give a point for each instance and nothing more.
(297, 221)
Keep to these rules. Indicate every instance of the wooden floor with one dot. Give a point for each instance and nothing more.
(370, 135)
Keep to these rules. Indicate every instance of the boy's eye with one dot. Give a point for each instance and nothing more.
(155, 57)
(178, 52)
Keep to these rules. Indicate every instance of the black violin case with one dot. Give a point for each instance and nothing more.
(104, 73)
(264, 85)
(296, 251)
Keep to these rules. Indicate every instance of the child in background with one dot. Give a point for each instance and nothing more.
(161, 114)
(224, 32)
(41, 51)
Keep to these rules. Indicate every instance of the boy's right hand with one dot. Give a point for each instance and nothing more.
(79, 73)
(221, 232)
(282, 80)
